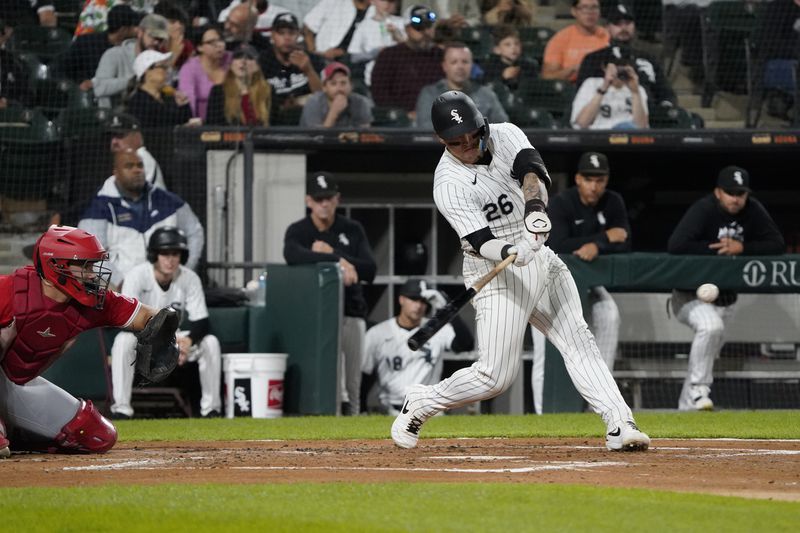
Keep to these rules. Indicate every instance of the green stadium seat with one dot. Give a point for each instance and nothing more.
(663, 117)
(78, 121)
(390, 117)
(478, 40)
(51, 96)
(45, 43)
(554, 96)
(530, 117)
(29, 152)
(534, 40)
(507, 98)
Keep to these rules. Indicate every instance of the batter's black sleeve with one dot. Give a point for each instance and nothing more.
(463, 341)
(766, 239)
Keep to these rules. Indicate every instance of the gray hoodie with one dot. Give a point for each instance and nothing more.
(114, 72)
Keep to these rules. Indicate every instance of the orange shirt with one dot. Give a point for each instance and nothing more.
(568, 47)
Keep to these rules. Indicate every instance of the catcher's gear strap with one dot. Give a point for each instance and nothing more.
(156, 352)
(529, 160)
(88, 432)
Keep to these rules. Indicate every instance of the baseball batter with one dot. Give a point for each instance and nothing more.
(387, 352)
(42, 309)
(491, 186)
(165, 281)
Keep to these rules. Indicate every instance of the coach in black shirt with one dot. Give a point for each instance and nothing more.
(727, 222)
(323, 235)
(589, 220)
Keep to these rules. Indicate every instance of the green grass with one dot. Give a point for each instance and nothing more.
(387, 507)
(734, 424)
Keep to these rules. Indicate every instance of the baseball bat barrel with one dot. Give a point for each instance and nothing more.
(449, 311)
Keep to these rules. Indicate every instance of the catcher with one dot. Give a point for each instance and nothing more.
(42, 309)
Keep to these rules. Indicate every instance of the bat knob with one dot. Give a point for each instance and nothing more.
(413, 344)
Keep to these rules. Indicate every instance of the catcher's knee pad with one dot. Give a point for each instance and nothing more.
(88, 432)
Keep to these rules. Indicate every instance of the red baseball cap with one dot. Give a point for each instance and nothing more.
(333, 68)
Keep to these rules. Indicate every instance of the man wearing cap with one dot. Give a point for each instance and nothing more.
(323, 235)
(116, 65)
(389, 358)
(266, 11)
(727, 222)
(336, 105)
(126, 134)
(240, 28)
(567, 48)
(622, 29)
(402, 70)
(457, 66)
(329, 26)
(289, 69)
(79, 63)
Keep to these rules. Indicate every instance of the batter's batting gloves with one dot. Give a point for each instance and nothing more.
(435, 298)
(538, 225)
(524, 251)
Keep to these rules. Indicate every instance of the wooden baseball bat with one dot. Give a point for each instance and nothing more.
(449, 311)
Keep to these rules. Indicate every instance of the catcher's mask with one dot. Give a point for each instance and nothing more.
(73, 261)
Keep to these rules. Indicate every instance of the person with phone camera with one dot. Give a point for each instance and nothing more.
(615, 101)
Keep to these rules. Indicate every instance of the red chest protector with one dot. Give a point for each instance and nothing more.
(44, 328)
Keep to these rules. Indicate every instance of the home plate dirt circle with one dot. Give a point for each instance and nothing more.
(747, 468)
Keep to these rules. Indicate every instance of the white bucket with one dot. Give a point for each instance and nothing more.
(254, 384)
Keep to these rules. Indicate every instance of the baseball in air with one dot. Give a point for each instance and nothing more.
(707, 292)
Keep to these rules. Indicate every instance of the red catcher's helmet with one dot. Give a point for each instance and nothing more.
(72, 260)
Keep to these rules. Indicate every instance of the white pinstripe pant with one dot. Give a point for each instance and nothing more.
(708, 322)
(544, 294)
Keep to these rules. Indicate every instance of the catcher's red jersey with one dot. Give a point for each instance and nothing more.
(46, 328)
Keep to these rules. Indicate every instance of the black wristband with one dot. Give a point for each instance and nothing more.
(601, 91)
(504, 251)
(535, 205)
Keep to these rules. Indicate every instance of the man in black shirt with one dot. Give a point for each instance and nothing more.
(292, 73)
(325, 236)
(622, 29)
(28, 12)
(589, 220)
(727, 222)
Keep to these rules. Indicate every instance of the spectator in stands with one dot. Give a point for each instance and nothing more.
(388, 357)
(507, 64)
(244, 98)
(115, 69)
(379, 29)
(289, 69)
(13, 74)
(206, 69)
(622, 29)
(588, 221)
(517, 13)
(329, 26)
(567, 48)
(457, 14)
(728, 222)
(127, 210)
(79, 63)
(324, 235)
(615, 101)
(28, 13)
(126, 134)
(94, 14)
(239, 28)
(163, 280)
(178, 19)
(267, 11)
(402, 70)
(457, 65)
(336, 105)
(155, 103)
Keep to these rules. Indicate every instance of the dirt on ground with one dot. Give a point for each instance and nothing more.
(747, 468)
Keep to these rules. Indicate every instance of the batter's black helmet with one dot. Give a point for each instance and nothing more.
(455, 114)
(168, 238)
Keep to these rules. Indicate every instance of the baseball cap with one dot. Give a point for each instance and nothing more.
(123, 123)
(285, 20)
(245, 50)
(155, 25)
(620, 12)
(593, 164)
(147, 59)
(122, 15)
(420, 17)
(413, 288)
(734, 179)
(332, 69)
(322, 185)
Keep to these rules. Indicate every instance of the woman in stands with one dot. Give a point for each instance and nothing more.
(206, 69)
(154, 102)
(244, 97)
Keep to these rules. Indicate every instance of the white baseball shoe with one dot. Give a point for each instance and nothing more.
(405, 428)
(627, 438)
(700, 400)
(4, 443)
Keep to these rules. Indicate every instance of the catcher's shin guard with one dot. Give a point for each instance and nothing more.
(88, 432)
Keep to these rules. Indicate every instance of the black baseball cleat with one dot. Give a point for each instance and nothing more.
(627, 438)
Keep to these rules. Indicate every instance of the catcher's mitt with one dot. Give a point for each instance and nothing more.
(157, 352)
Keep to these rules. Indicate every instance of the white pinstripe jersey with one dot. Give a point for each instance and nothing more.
(472, 197)
(185, 293)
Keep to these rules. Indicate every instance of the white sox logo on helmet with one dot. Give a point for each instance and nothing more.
(456, 116)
